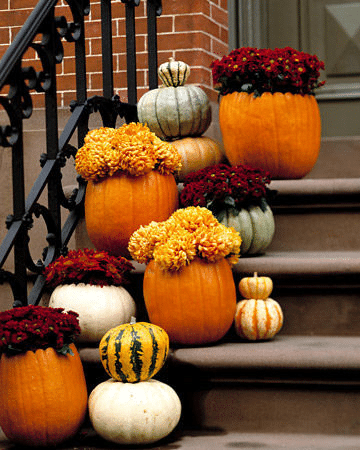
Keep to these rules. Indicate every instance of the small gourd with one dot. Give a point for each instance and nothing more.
(174, 73)
(256, 287)
(175, 110)
(134, 413)
(257, 317)
(134, 352)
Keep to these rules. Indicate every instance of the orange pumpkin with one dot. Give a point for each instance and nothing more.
(43, 397)
(277, 132)
(195, 304)
(117, 206)
(197, 153)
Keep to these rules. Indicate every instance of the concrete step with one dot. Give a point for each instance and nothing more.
(212, 439)
(292, 384)
(316, 214)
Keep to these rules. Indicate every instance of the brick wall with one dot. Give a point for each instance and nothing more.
(192, 31)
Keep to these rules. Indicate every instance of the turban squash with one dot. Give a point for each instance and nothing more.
(278, 132)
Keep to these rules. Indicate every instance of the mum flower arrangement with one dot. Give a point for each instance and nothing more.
(268, 113)
(237, 196)
(35, 327)
(188, 233)
(130, 175)
(255, 70)
(188, 284)
(131, 148)
(88, 266)
(90, 282)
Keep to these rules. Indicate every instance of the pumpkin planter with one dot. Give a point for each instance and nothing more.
(195, 305)
(99, 307)
(130, 174)
(134, 413)
(174, 110)
(197, 153)
(188, 285)
(278, 132)
(43, 397)
(255, 224)
(116, 206)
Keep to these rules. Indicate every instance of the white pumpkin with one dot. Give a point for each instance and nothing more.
(255, 224)
(99, 308)
(134, 413)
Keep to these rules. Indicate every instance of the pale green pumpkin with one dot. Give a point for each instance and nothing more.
(255, 224)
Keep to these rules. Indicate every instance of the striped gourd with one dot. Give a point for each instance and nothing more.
(258, 319)
(134, 352)
(256, 287)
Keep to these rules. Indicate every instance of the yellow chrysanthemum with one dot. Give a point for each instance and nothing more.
(132, 148)
(188, 233)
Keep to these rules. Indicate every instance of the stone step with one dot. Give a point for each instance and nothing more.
(292, 384)
(316, 214)
(212, 439)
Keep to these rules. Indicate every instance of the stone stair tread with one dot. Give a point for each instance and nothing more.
(317, 187)
(283, 352)
(217, 439)
(301, 263)
(294, 262)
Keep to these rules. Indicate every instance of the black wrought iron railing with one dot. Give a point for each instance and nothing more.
(17, 83)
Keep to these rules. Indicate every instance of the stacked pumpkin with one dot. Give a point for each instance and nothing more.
(181, 113)
(257, 317)
(131, 407)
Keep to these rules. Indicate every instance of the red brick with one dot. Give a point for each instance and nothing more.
(198, 22)
(173, 7)
(66, 83)
(69, 65)
(14, 17)
(19, 4)
(174, 41)
(219, 48)
(5, 36)
(219, 15)
(194, 57)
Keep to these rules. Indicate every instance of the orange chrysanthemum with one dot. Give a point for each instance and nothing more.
(188, 233)
(132, 148)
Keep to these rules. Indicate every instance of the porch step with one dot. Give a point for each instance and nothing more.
(316, 214)
(217, 440)
(292, 384)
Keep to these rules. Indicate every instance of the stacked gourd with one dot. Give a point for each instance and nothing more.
(181, 113)
(257, 317)
(131, 407)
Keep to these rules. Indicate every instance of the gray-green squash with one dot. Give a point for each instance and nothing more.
(255, 224)
(174, 110)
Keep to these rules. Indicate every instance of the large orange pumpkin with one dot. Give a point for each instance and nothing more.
(277, 132)
(43, 397)
(117, 206)
(195, 304)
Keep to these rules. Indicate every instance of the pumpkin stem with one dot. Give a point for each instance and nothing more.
(132, 320)
(255, 274)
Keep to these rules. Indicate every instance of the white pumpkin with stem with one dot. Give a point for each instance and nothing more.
(99, 307)
(134, 413)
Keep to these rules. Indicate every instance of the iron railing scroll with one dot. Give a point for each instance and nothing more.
(17, 83)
